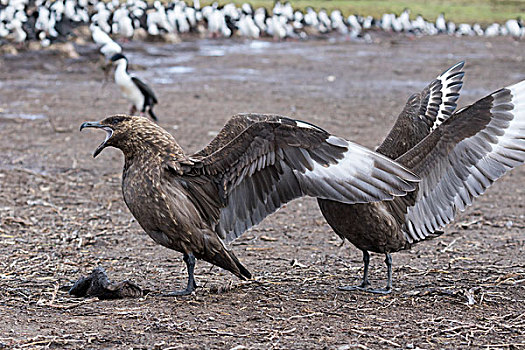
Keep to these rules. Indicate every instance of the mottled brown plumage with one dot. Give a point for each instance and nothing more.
(195, 204)
(457, 158)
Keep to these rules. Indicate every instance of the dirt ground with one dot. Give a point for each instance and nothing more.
(62, 213)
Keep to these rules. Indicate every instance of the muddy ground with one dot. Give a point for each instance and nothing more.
(62, 214)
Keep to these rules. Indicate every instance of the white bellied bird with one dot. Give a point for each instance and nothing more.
(140, 95)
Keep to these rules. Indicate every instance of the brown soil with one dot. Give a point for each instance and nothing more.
(62, 214)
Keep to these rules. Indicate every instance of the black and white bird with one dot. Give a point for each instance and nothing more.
(133, 89)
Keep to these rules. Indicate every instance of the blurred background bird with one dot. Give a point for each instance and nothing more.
(140, 95)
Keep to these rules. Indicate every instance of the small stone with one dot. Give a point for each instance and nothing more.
(239, 347)
(171, 38)
(34, 46)
(140, 34)
(8, 49)
(66, 49)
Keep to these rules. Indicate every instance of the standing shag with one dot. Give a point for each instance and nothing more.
(133, 89)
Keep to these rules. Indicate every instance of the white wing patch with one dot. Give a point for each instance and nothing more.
(499, 148)
(305, 125)
(451, 83)
(355, 159)
(362, 173)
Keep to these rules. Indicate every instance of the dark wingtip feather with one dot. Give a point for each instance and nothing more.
(152, 115)
(244, 273)
(457, 66)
